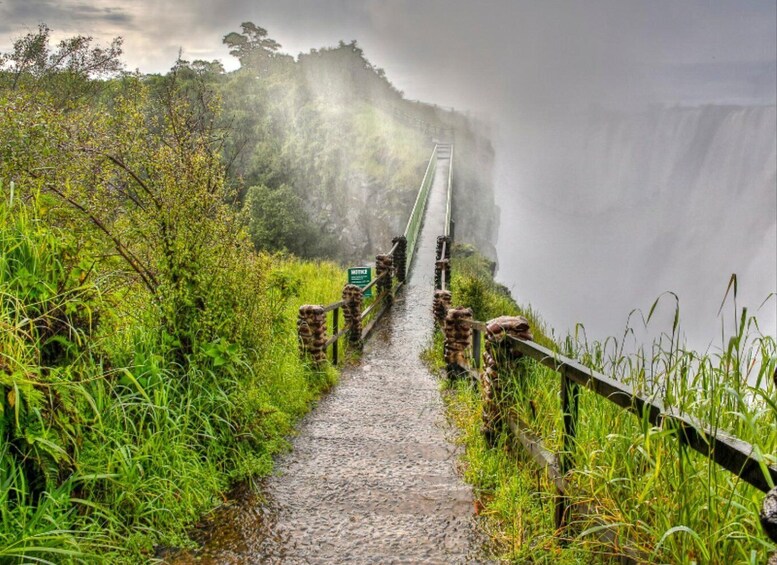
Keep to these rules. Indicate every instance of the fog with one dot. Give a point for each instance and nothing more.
(635, 141)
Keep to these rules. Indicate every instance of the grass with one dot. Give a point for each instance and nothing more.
(664, 501)
(148, 352)
(107, 449)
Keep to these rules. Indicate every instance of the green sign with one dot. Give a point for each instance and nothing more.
(360, 276)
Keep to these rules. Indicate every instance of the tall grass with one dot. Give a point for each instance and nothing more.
(107, 448)
(656, 496)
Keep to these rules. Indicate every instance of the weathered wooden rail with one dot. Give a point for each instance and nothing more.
(359, 314)
(508, 340)
(505, 345)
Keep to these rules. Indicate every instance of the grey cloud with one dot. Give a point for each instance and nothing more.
(19, 16)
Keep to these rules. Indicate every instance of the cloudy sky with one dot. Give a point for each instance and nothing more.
(537, 69)
(447, 51)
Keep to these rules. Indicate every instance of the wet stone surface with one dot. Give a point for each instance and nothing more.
(372, 475)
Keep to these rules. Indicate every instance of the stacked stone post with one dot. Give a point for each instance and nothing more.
(500, 358)
(384, 264)
(352, 313)
(769, 517)
(458, 339)
(311, 328)
(400, 257)
(442, 302)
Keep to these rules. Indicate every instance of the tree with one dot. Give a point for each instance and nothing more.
(278, 221)
(66, 68)
(147, 174)
(253, 47)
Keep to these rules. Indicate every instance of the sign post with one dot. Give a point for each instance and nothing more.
(361, 277)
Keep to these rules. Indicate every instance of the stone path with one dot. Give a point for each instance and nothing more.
(371, 477)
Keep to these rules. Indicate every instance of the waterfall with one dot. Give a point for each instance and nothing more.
(632, 205)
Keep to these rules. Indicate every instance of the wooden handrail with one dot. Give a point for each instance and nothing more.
(374, 281)
(337, 336)
(378, 301)
(368, 328)
(333, 306)
(475, 325)
(731, 453)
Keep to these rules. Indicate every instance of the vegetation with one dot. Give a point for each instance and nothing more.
(316, 140)
(150, 229)
(663, 501)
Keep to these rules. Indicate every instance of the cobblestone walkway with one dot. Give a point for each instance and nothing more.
(371, 477)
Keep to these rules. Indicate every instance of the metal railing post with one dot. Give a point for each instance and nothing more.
(570, 395)
(335, 328)
(476, 339)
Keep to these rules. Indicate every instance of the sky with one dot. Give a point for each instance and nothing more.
(447, 50)
(539, 71)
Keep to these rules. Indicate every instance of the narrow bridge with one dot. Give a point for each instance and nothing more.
(372, 474)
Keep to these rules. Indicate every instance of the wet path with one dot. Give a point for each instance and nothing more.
(371, 478)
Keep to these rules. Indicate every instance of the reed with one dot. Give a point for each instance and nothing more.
(108, 449)
(662, 500)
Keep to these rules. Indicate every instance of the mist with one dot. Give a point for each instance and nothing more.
(637, 156)
(635, 141)
(636, 152)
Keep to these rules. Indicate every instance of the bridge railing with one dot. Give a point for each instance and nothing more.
(360, 313)
(508, 339)
(419, 207)
(449, 199)
(442, 268)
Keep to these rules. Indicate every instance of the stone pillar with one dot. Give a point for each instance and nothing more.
(442, 301)
(769, 517)
(352, 313)
(311, 328)
(384, 264)
(400, 257)
(458, 339)
(500, 359)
